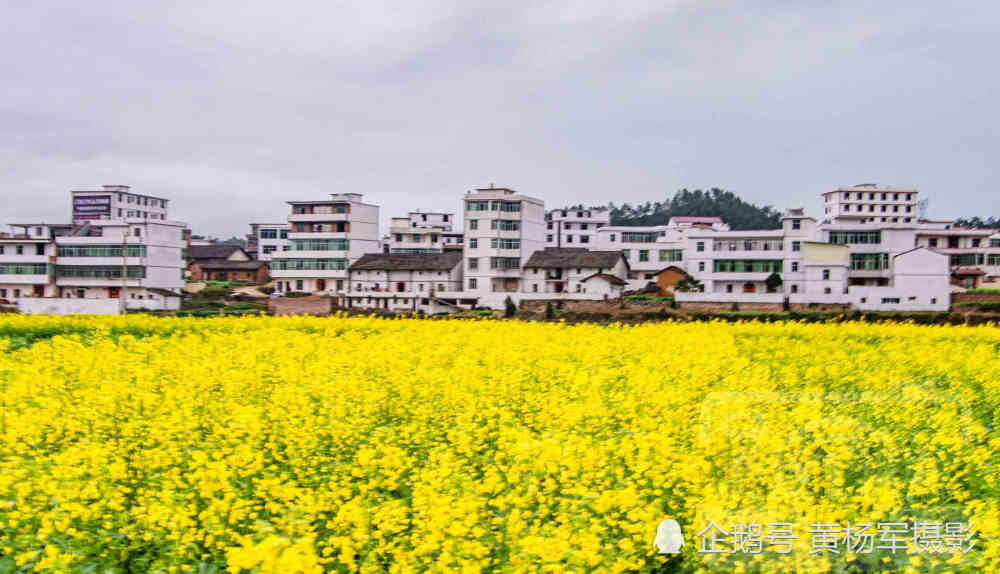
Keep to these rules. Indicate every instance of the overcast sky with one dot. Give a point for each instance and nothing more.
(230, 109)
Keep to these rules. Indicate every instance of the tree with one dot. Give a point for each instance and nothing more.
(726, 205)
(509, 308)
(688, 284)
(978, 222)
(773, 282)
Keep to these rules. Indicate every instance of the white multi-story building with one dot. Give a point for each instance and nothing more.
(869, 203)
(138, 260)
(423, 232)
(325, 238)
(404, 281)
(650, 249)
(502, 229)
(116, 202)
(974, 254)
(575, 227)
(266, 239)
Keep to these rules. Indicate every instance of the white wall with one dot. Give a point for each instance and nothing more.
(56, 306)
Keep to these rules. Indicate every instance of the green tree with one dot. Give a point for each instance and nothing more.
(509, 308)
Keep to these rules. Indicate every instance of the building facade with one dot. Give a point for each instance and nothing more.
(404, 281)
(575, 227)
(266, 239)
(502, 229)
(116, 202)
(137, 260)
(325, 238)
(423, 232)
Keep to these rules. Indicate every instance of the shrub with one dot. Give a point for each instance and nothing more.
(509, 308)
(549, 312)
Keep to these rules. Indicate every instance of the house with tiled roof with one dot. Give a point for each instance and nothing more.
(403, 282)
(575, 270)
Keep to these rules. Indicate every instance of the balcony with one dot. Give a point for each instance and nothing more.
(317, 217)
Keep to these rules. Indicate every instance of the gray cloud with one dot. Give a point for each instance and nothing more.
(231, 108)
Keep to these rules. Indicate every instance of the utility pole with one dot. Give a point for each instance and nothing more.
(121, 295)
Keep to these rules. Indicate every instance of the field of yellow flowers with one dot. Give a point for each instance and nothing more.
(141, 444)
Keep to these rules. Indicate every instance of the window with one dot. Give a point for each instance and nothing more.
(666, 255)
(869, 261)
(434, 238)
(890, 300)
(968, 259)
(505, 263)
(3, 293)
(82, 293)
(100, 271)
(584, 239)
(932, 242)
(796, 246)
(975, 241)
(26, 269)
(612, 238)
(309, 264)
(473, 224)
(548, 238)
(994, 259)
(101, 251)
(700, 246)
(583, 226)
(639, 236)
(826, 275)
(627, 254)
(853, 237)
(701, 266)
(473, 263)
(747, 266)
(567, 226)
(796, 224)
(340, 284)
(534, 287)
(729, 288)
(20, 250)
(505, 224)
(795, 288)
(298, 285)
(472, 283)
(795, 266)
(994, 242)
(320, 244)
(498, 243)
(39, 249)
(473, 243)
(399, 238)
(569, 239)
(643, 255)
(477, 205)
(268, 233)
(137, 232)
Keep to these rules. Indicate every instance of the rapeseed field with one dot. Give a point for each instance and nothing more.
(353, 444)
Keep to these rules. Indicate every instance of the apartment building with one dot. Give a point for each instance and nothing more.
(650, 249)
(502, 229)
(266, 239)
(869, 203)
(138, 260)
(423, 232)
(116, 202)
(404, 281)
(575, 227)
(325, 238)
(973, 254)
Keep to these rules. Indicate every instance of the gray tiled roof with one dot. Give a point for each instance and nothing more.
(405, 261)
(566, 257)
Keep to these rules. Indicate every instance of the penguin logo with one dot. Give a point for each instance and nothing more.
(669, 539)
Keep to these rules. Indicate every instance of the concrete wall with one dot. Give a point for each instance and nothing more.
(56, 306)
(300, 306)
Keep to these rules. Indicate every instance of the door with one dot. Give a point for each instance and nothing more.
(321, 284)
(400, 287)
(114, 292)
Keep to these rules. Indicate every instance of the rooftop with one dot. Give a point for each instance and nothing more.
(567, 257)
(408, 261)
